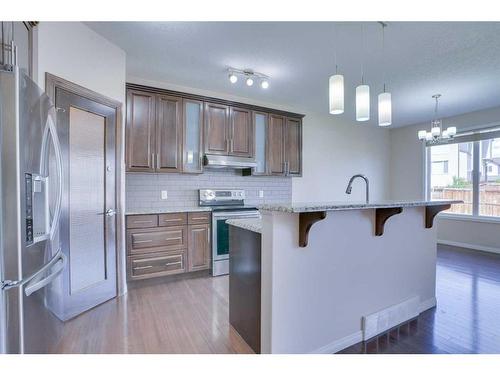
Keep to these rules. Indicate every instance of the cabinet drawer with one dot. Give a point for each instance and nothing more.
(199, 217)
(140, 241)
(169, 220)
(160, 264)
(142, 221)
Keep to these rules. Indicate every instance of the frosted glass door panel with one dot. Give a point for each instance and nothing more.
(192, 132)
(260, 142)
(87, 199)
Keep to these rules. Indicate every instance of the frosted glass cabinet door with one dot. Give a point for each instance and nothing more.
(260, 120)
(193, 120)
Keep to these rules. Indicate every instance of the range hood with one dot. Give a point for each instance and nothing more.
(223, 161)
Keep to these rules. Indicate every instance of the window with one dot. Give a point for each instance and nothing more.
(468, 169)
(489, 177)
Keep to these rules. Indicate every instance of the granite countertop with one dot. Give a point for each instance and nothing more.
(152, 211)
(254, 225)
(343, 206)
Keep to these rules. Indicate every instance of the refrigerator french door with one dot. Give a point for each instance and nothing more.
(31, 191)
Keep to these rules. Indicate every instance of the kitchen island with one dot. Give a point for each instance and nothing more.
(335, 274)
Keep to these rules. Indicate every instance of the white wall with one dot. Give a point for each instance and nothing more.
(333, 150)
(407, 176)
(76, 53)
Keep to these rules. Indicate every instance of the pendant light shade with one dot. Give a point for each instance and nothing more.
(362, 103)
(336, 91)
(384, 109)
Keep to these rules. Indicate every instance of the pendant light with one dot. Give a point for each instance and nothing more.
(336, 86)
(362, 91)
(384, 99)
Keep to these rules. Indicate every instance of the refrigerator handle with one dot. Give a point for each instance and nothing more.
(37, 276)
(50, 129)
(38, 282)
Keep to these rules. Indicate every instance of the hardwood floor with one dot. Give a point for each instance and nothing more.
(467, 316)
(191, 316)
(181, 315)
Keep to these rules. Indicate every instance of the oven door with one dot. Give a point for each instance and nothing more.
(220, 238)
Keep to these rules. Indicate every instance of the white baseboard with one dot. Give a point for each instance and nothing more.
(357, 337)
(338, 345)
(428, 304)
(488, 249)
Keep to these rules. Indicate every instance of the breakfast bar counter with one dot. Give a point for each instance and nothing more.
(333, 274)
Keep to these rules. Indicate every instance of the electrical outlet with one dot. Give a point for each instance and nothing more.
(261, 193)
(164, 195)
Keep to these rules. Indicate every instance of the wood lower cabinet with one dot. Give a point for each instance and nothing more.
(198, 247)
(164, 244)
(158, 264)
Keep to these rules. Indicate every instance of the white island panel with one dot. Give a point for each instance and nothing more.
(314, 297)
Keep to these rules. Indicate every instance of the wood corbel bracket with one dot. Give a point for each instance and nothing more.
(432, 211)
(381, 216)
(306, 221)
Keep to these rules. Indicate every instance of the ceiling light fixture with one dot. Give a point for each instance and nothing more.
(250, 77)
(437, 133)
(362, 91)
(336, 86)
(384, 99)
(233, 78)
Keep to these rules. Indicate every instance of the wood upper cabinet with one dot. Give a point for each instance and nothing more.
(153, 132)
(241, 133)
(276, 143)
(293, 147)
(285, 146)
(198, 247)
(216, 129)
(140, 131)
(168, 134)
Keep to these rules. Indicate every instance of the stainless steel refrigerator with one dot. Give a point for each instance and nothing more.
(31, 191)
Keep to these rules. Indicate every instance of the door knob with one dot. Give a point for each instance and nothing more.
(109, 212)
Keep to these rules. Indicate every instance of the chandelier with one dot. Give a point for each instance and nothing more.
(437, 133)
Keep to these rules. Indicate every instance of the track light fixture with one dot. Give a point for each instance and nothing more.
(250, 77)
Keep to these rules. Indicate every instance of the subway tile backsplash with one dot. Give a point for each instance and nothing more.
(143, 190)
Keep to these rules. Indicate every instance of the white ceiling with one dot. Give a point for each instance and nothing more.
(460, 60)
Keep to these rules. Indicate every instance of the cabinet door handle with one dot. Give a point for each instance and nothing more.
(142, 267)
(142, 221)
(198, 218)
(168, 220)
(208, 237)
(153, 164)
(173, 238)
(157, 160)
(173, 263)
(142, 241)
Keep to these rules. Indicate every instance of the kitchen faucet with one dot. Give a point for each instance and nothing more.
(349, 186)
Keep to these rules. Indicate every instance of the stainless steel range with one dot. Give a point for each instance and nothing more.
(226, 204)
